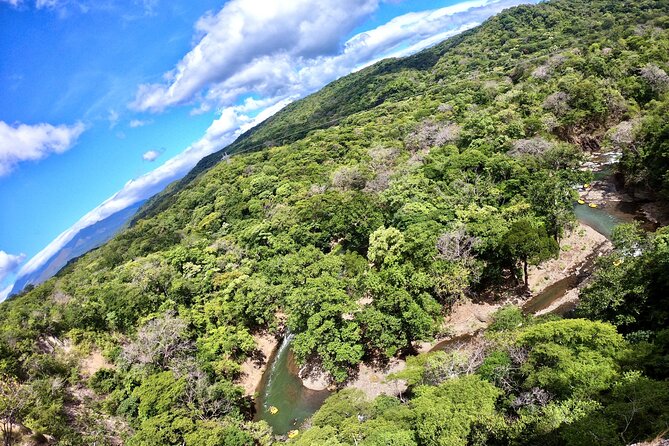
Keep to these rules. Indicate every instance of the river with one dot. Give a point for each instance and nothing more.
(602, 219)
(282, 388)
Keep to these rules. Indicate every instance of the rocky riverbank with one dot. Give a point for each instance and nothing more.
(608, 191)
(575, 249)
(467, 317)
(253, 368)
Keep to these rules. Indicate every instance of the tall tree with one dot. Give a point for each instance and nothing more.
(527, 242)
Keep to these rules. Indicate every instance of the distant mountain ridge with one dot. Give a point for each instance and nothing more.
(85, 240)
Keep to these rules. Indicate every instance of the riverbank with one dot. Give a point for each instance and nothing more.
(607, 191)
(576, 249)
(580, 244)
(577, 252)
(254, 367)
(372, 380)
(553, 287)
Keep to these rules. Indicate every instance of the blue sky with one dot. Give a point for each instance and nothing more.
(104, 102)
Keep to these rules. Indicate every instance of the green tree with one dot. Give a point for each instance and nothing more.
(448, 414)
(13, 403)
(527, 242)
(573, 357)
(386, 247)
(317, 317)
(630, 286)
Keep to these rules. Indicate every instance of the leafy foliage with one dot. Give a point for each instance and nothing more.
(557, 382)
(362, 213)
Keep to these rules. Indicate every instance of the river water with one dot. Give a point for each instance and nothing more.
(602, 219)
(282, 388)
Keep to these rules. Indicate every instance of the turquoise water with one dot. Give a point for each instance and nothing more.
(603, 219)
(283, 389)
(599, 219)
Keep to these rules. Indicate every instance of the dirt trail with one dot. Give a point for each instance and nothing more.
(94, 362)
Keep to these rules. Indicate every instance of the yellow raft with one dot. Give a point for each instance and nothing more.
(581, 202)
(273, 410)
(592, 205)
(586, 186)
(293, 433)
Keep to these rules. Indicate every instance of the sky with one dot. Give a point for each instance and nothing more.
(105, 102)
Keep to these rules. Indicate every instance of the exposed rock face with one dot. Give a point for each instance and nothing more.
(576, 247)
(374, 381)
(314, 378)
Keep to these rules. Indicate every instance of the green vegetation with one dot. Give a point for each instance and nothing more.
(363, 213)
(630, 286)
(561, 382)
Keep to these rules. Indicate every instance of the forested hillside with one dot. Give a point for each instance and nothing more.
(356, 218)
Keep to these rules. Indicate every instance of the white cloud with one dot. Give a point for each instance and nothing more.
(135, 123)
(148, 5)
(113, 118)
(24, 142)
(222, 132)
(151, 155)
(9, 263)
(40, 4)
(4, 293)
(267, 49)
(244, 31)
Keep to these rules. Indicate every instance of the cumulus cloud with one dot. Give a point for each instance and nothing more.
(277, 50)
(11, 2)
(151, 155)
(244, 31)
(9, 263)
(24, 142)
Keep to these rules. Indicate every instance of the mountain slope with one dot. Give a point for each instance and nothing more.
(508, 44)
(85, 240)
(430, 180)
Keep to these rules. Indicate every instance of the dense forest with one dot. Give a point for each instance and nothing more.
(356, 218)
